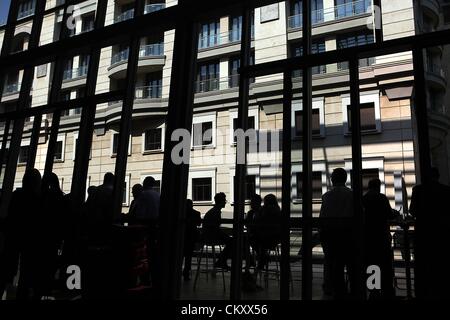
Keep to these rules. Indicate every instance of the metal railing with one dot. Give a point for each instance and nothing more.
(152, 7)
(215, 40)
(126, 15)
(11, 88)
(149, 50)
(148, 92)
(75, 73)
(25, 13)
(120, 56)
(216, 84)
(333, 13)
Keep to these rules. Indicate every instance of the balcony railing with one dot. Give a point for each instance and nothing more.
(75, 73)
(150, 50)
(11, 88)
(207, 85)
(148, 92)
(119, 56)
(215, 40)
(334, 13)
(25, 13)
(342, 66)
(126, 15)
(149, 8)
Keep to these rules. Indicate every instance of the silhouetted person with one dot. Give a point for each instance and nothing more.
(267, 229)
(249, 221)
(22, 237)
(429, 206)
(51, 227)
(378, 249)
(136, 191)
(191, 236)
(213, 234)
(337, 235)
(146, 213)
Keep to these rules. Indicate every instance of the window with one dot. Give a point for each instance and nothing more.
(23, 154)
(367, 175)
(296, 50)
(153, 90)
(202, 134)
(296, 9)
(153, 139)
(115, 144)
(126, 191)
(353, 40)
(59, 151)
(202, 189)
(316, 185)
(234, 65)
(368, 119)
(209, 35)
(315, 122)
(87, 23)
(26, 8)
(208, 76)
(348, 8)
(372, 168)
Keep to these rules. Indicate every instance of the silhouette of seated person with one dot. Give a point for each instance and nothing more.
(429, 207)
(249, 222)
(378, 239)
(191, 236)
(266, 230)
(23, 238)
(212, 234)
(337, 236)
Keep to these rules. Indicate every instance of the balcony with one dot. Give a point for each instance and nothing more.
(339, 12)
(216, 40)
(436, 76)
(126, 15)
(153, 7)
(151, 58)
(75, 73)
(148, 92)
(22, 14)
(11, 92)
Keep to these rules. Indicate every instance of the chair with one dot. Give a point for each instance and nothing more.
(205, 251)
(274, 252)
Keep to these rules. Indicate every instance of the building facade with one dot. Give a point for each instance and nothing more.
(386, 84)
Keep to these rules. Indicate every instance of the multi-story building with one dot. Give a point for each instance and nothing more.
(387, 111)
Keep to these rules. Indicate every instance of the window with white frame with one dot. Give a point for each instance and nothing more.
(153, 139)
(372, 168)
(253, 122)
(75, 141)
(204, 131)
(60, 148)
(252, 182)
(319, 181)
(318, 118)
(115, 144)
(369, 110)
(202, 185)
(24, 152)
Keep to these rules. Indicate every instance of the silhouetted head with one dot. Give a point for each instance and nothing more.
(339, 177)
(137, 190)
(271, 201)
(91, 191)
(149, 182)
(31, 181)
(375, 185)
(255, 202)
(50, 181)
(108, 179)
(189, 204)
(220, 200)
(434, 174)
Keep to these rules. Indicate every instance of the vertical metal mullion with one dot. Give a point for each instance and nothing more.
(55, 95)
(420, 106)
(27, 83)
(4, 143)
(286, 186)
(358, 222)
(86, 131)
(307, 274)
(241, 168)
(377, 10)
(126, 117)
(175, 176)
